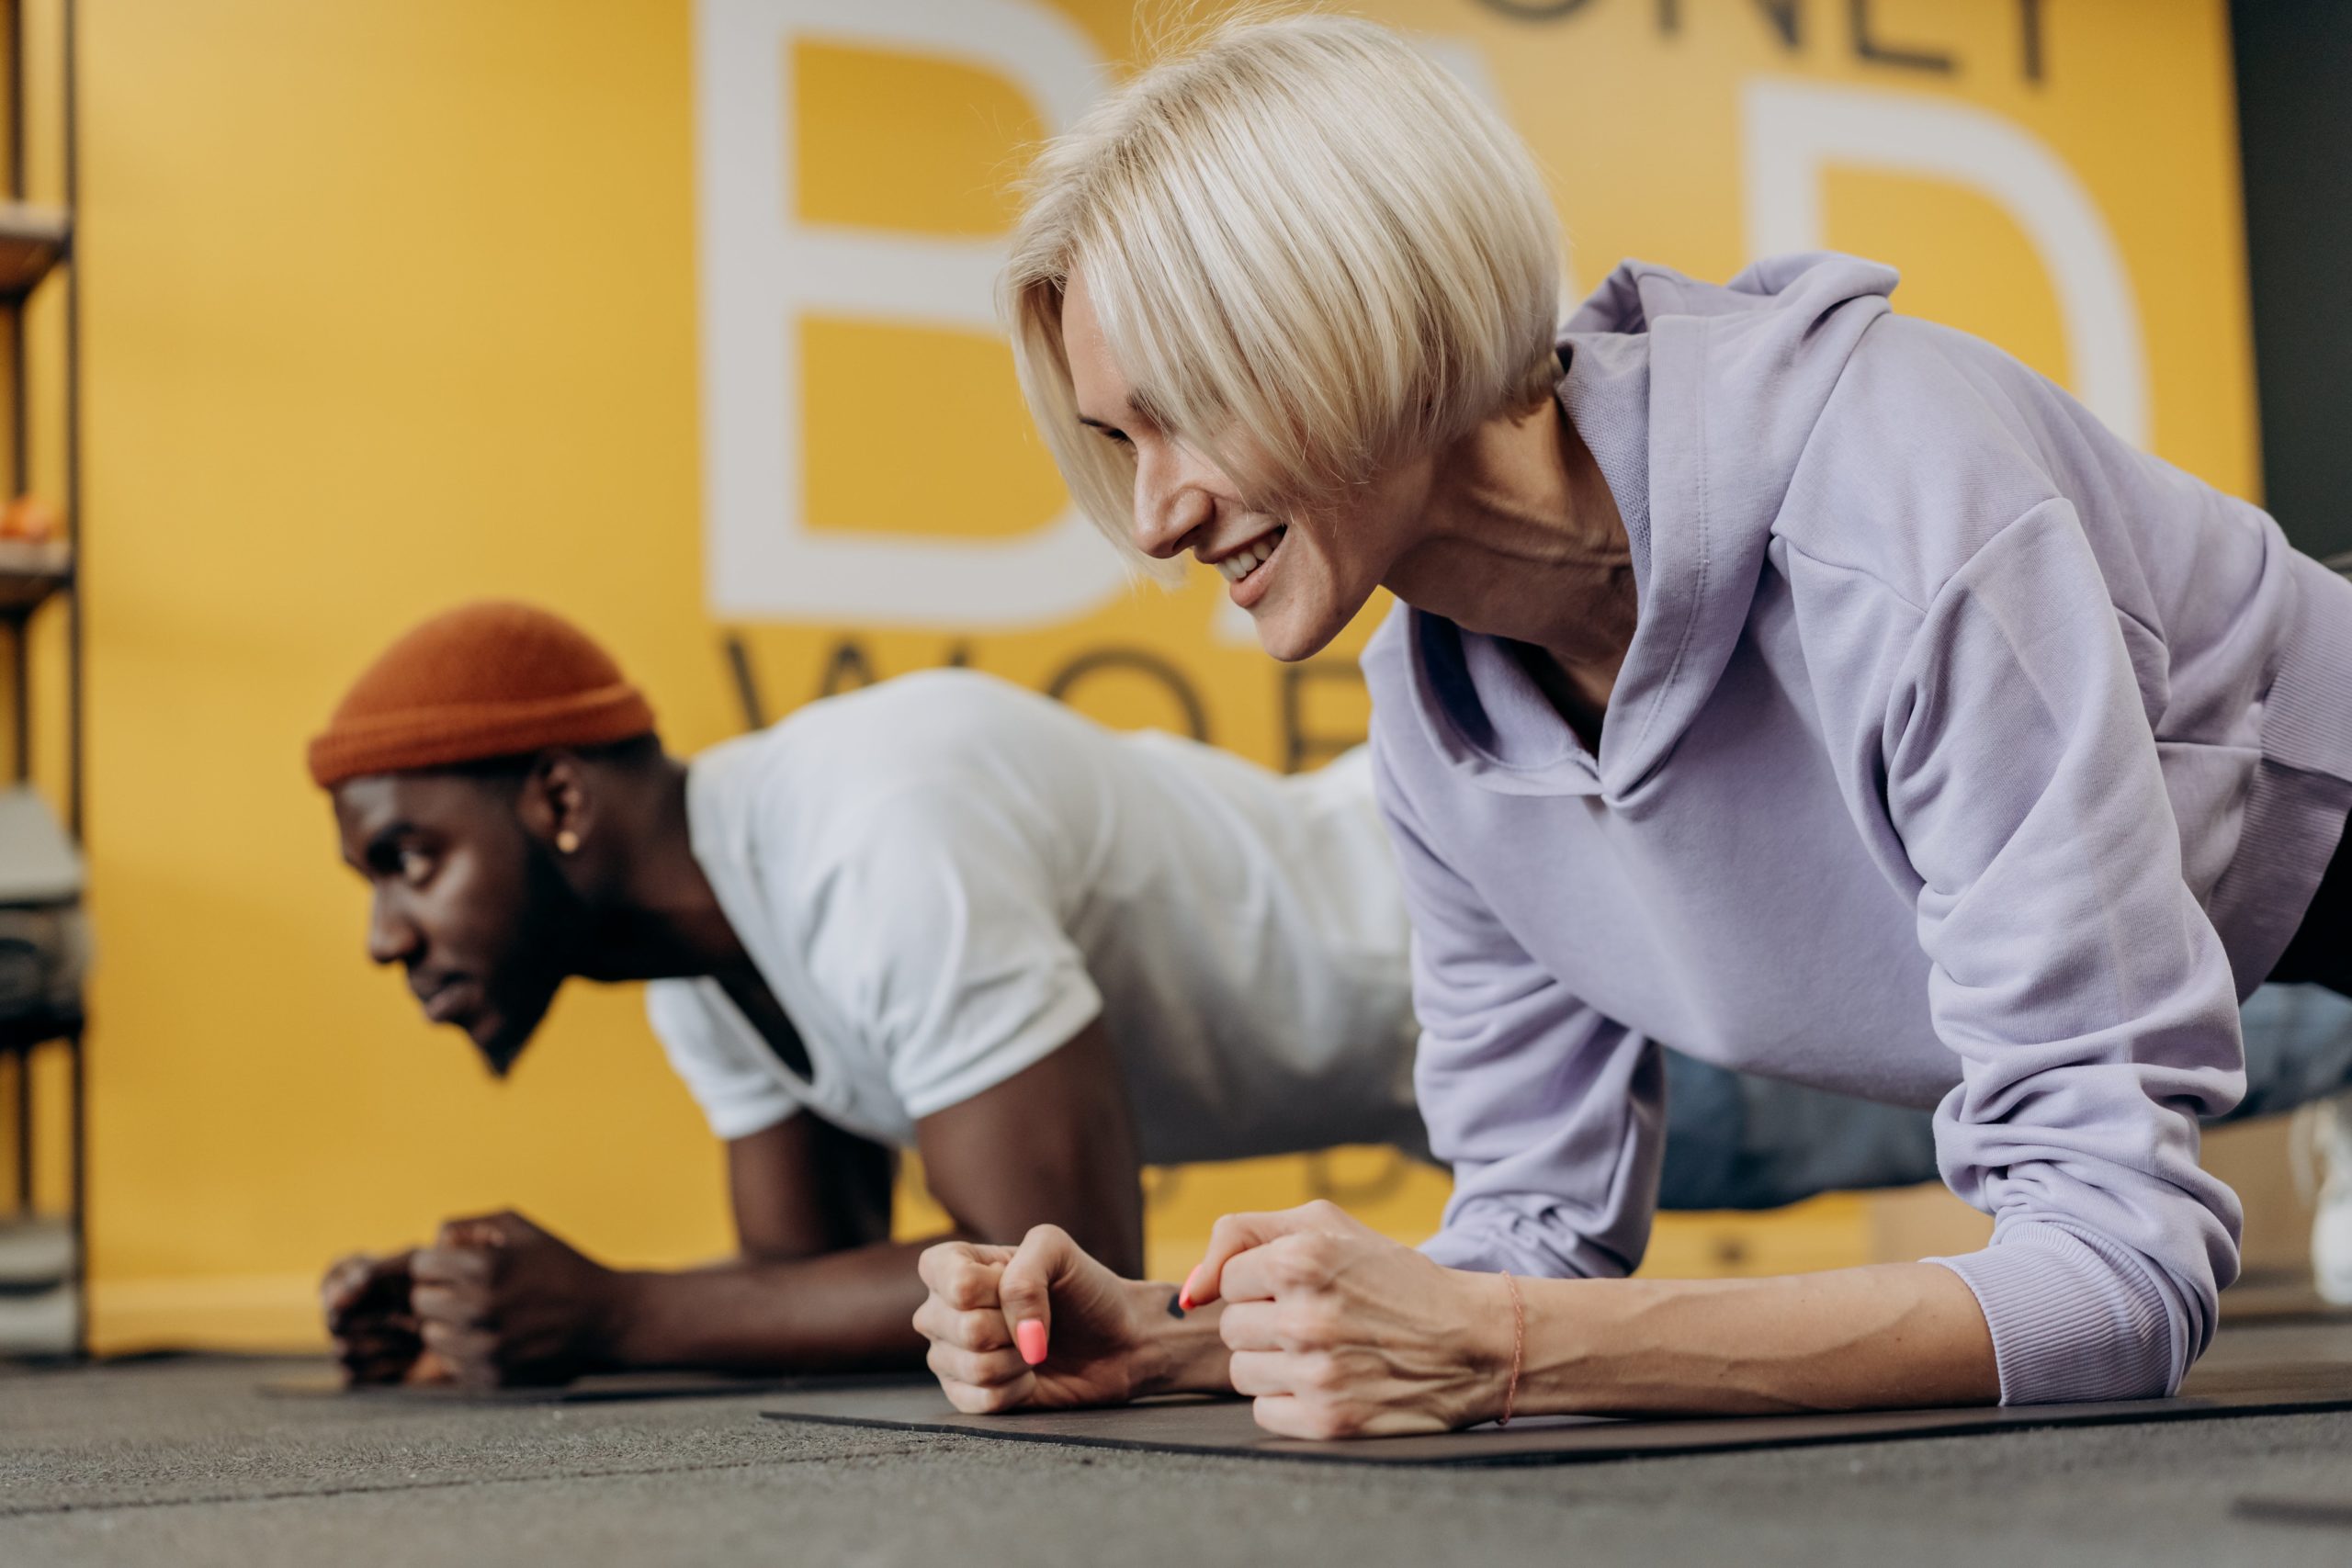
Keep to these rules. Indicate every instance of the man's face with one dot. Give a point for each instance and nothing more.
(468, 902)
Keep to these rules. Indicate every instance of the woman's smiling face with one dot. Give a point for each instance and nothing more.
(1301, 574)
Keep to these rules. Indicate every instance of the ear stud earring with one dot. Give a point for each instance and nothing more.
(566, 842)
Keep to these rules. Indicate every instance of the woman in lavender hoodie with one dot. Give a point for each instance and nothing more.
(1815, 689)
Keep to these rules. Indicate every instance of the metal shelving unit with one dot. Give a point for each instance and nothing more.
(43, 1302)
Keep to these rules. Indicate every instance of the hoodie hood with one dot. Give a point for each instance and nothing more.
(1738, 374)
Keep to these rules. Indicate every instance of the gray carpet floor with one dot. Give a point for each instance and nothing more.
(187, 1463)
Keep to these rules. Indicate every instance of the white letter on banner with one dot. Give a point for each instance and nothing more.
(762, 270)
(1795, 129)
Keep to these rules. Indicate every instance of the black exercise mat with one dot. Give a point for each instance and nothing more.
(606, 1388)
(2256, 1371)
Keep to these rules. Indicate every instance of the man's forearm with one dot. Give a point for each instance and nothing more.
(1883, 1337)
(839, 1312)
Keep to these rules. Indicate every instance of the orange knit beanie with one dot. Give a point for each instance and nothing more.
(487, 679)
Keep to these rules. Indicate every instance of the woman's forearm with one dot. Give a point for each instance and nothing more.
(1886, 1335)
(1179, 1353)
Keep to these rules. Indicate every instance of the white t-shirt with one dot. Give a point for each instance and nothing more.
(944, 878)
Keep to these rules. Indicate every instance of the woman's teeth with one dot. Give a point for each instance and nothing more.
(1250, 557)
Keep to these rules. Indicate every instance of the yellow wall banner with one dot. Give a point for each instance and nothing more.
(677, 317)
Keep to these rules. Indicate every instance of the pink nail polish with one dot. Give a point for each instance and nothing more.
(1029, 1335)
(1185, 1297)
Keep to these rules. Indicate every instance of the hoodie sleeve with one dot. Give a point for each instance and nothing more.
(1551, 1115)
(2085, 991)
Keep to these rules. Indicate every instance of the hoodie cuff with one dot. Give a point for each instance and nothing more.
(1471, 1252)
(2074, 1318)
(1490, 1239)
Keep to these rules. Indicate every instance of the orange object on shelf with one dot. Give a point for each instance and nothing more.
(30, 517)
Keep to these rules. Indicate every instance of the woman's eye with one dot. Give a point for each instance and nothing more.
(415, 865)
(1117, 438)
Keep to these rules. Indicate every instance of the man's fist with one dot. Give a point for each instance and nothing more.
(366, 1300)
(501, 1302)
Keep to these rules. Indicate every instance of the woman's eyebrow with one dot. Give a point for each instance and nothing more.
(1142, 409)
(1146, 407)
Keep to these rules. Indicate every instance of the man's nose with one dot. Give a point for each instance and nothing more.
(391, 936)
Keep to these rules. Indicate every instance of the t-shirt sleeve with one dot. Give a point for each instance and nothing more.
(740, 1095)
(939, 934)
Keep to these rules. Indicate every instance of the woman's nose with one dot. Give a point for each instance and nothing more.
(1168, 508)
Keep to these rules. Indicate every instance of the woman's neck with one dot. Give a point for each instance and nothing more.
(1524, 542)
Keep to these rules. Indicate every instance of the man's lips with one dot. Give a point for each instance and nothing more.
(445, 1001)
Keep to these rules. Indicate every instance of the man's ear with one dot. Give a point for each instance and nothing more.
(557, 805)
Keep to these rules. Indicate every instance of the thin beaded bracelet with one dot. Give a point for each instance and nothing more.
(1518, 1348)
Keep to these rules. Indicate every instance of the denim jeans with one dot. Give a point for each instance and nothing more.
(1738, 1142)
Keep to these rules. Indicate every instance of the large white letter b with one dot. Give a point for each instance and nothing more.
(762, 269)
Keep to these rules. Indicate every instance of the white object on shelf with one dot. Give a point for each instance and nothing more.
(44, 935)
(35, 1255)
(39, 864)
(41, 1325)
(36, 556)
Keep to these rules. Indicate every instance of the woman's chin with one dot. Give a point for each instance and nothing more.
(1289, 635)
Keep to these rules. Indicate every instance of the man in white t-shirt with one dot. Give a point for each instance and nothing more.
(946, 879)
(943, 914)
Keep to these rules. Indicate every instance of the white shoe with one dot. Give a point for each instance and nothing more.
(2330, 1132)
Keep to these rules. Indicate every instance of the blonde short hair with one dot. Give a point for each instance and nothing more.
(1312, 252)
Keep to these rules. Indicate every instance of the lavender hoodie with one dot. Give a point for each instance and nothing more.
(1965, 756)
